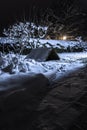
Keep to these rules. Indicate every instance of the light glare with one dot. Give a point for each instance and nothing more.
(64, 37)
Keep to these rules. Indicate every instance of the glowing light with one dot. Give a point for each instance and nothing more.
(64, 37)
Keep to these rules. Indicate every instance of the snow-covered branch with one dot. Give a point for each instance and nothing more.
(24, 31)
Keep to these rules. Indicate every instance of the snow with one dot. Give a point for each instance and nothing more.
(73, 56)
(67, 62)
(5, 40)
(54, 43)
(58, 43)
(61, 42)
(38, 42)
(15, 64)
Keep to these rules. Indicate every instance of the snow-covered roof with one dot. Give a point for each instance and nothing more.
(43, 54)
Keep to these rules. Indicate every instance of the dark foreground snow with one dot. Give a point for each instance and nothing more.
(19, 100)
(34, 105)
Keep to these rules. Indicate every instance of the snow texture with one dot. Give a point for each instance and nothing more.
(17, 64)
(47, 43)
(12, 64)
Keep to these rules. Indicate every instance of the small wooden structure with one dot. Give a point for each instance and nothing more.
(43, 54)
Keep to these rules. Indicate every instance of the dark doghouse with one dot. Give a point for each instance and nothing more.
(43, 54)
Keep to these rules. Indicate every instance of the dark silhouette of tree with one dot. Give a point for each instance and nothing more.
(65, 18)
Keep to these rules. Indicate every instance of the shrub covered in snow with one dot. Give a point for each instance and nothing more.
(24, 31)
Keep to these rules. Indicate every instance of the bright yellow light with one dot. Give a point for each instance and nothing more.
(64, 37)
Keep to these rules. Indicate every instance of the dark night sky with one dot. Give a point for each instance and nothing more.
(13, 10)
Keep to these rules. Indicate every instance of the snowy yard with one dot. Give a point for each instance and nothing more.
(24, 84)
(14, 64)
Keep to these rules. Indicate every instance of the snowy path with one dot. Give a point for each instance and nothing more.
(65, 106)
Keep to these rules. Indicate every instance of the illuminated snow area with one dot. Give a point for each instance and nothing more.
(19, 65)
(67, 62)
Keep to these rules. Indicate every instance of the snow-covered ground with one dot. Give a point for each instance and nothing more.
(17, 64)
(56, 43)
(71, 61)
(67, 63)
(47, 42)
